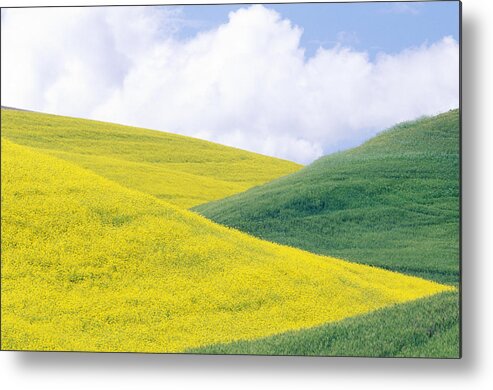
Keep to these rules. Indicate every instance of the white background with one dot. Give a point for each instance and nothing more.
(473, 371)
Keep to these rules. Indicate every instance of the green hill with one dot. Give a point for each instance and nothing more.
(392, 202)
(426, 327)
(182, 170)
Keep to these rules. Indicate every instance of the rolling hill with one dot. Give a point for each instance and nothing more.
(427, 327)
(392, 202)
(88, 264)
(181, 170)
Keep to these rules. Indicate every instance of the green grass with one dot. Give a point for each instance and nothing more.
(424, 328)
(181, 170)
(392, 202)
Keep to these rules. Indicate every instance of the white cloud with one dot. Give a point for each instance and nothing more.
(245, 83)
(348, 38)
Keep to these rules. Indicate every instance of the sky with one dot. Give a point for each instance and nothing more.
(295, 81)
(371, 27)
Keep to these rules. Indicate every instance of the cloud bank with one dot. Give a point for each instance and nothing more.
(246, 83)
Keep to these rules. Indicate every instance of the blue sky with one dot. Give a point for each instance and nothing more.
(373, 27)
(329, 79)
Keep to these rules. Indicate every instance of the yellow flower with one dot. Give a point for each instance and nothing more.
(90, 265)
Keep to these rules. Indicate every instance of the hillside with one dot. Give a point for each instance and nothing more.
(181, 170)
(393, 202)
(427, 327)
(88, 264)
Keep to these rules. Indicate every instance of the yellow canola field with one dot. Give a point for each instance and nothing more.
(89, 265)
(182, 170)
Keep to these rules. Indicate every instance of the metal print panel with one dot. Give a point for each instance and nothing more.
(274, 179)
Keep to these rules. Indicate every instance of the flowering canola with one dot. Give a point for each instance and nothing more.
(90, 265)
(182, 170)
